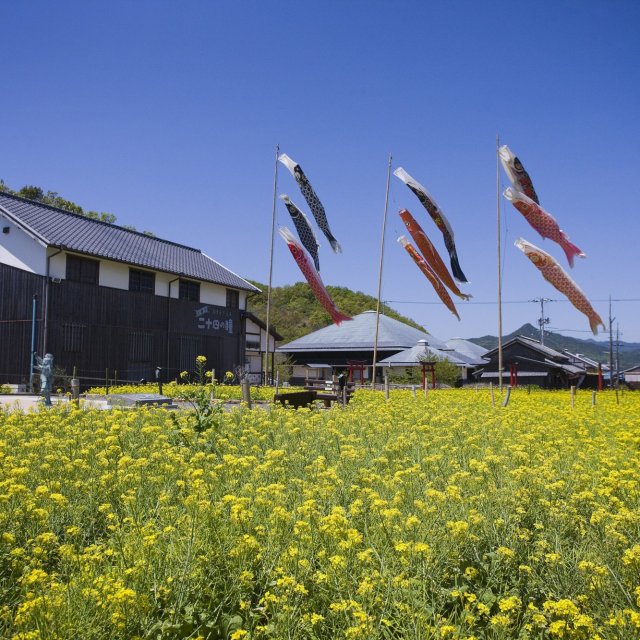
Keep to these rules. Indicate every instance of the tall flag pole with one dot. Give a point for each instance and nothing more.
(500, 364)
(273, 230)
(384, 227)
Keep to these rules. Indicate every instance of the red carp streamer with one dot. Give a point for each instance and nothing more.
(544, 223)
(312, 276)
(555, 275)
(431, 275)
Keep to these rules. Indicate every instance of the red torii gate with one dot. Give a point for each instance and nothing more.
(356, 365)
(513, 375)
(429, 367)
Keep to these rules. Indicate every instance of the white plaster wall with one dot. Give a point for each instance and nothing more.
(57, 263)
(212, 294)
(163, 281)
(114, 274)
(20, 250)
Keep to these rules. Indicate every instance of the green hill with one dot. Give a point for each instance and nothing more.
(295, 312)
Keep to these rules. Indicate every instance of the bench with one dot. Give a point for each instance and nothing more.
(328, 392)
(295, 399)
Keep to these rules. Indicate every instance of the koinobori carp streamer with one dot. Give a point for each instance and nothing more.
(543, 222)
(555, 275)
(312, 199)
(304, 229)
(429, 253)
(438, 217)
(517, 174)
(312, 276)
(430, 274)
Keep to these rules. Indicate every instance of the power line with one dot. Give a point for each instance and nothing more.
(466, 302)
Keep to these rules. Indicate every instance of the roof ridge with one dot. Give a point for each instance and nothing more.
(102, 222)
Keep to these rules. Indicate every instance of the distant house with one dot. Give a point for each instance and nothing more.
(424, 352)
(320, 353)
(101, 297)
(527, 361)
(632, 377)
(593, 369)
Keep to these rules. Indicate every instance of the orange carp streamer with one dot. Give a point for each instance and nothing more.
(429, 252)
(555, 275)
(431, 275)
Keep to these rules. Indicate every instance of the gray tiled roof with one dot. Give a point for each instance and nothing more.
(471, 352)
(534, 344)
(422, 352)
(80, 234)
(359, 335)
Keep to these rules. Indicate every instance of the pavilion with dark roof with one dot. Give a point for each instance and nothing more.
(351, 345)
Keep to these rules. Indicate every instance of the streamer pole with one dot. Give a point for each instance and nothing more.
(500, 363)
(273, 228)
(384, 227)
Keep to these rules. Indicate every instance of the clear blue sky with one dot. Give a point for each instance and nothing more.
(168, 114)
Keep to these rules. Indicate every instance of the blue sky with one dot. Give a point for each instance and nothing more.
(168, 114)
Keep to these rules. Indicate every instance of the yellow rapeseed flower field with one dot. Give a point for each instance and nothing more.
(419, 518)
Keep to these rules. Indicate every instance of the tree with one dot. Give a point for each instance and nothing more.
(446, 372)
(31, 192)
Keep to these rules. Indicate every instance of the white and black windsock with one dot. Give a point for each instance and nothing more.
(312, 199)
(438, 217)
(305, 232)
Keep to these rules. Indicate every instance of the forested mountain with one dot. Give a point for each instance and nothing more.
(294, 311)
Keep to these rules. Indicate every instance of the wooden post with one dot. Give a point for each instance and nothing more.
(75, 387)
(573, 396)
(505, 402)
(386, 385)
(493, 398)
(115, 379)
(413, 390)
(617, 399)
(593, 398)
(246, 392)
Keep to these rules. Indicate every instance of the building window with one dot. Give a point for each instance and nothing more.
(82, 270)
(233, 299)
(189, 290)
(143, 281)
(73, 337)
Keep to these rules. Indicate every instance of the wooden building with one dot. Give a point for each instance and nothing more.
(527, 361)
(632, 377)
(100, 297)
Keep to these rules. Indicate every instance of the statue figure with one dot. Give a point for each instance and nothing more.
(46, 376)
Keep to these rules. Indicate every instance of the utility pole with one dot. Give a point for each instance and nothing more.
(610, 346)
(617, 354)
(542, 320)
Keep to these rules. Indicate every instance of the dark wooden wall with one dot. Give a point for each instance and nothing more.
(99, 328)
